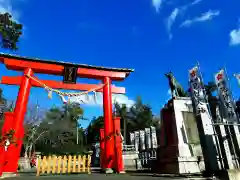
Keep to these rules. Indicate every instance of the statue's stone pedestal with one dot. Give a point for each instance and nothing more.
(180, 150)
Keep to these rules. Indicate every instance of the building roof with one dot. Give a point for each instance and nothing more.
(4, 55)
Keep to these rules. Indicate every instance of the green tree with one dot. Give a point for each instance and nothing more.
(10, 31)
(93, 130)
(72, 113)
(61, 125)
(213, 100)
(137, 117)
(141, 115)
(2, 99)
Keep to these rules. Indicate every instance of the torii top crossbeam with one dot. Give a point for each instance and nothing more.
(20, 63)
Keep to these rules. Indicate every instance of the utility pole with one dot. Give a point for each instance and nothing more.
(125, 130)
(82, 118)
(77, 131)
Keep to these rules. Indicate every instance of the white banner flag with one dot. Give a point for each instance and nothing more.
(142, 140)
(225, 96)
(136, 134)
(154, 137)
(132, 139)
(197, 90)
(148, 138)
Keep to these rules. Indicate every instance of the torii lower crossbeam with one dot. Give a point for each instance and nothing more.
(16, 80)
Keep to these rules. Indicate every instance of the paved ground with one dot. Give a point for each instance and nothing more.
(98, 177)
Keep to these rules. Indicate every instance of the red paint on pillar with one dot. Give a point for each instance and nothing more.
(2, 155)
(13, 152)
(108, 123)
(8, 122)
(119, 165)
(102, 153)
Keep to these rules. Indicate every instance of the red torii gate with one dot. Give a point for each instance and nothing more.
(29, 66)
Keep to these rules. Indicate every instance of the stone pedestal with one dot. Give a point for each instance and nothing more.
(180, 150)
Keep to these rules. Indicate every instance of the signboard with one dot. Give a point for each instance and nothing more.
(225, 96)
(70, 75)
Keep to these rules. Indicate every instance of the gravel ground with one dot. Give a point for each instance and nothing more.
(98, 176)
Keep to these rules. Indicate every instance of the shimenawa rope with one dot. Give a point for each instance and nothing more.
(65, 93)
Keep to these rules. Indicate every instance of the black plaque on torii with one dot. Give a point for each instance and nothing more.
(70, 75)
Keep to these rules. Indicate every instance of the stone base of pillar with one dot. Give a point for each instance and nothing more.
(170, 161)
(8, 175)
(180, 165)
(122, 172)
(180, 151)
(108, 171)
(234, 174)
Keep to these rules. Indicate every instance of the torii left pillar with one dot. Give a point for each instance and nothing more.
(108, 126)
(13, 153)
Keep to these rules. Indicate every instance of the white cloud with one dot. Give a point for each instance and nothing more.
(98, 99)
(235, 37)
(207, 16)
(195, 2)
(9, 6)
(170, 20)
(122, 99)
(157, 4)
(187, 6)
(177, 11)
(169, 96)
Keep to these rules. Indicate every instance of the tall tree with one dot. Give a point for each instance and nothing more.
(2, 99)
(2, 105)
(33, 130)
(72, 113)
(93, 130)
(137, 117)
(123, 113)
(10, 31)
(141, 115)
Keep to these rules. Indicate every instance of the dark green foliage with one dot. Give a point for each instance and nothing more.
(93, 130)
(10, 32)
(139, 116)
(212, 100)
(238, 107)
(60, 125)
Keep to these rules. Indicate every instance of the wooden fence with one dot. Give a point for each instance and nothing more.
(63, 165)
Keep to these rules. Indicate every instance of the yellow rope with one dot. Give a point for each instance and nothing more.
(64, 93)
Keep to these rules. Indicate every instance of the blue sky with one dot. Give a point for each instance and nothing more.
(151, 36)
